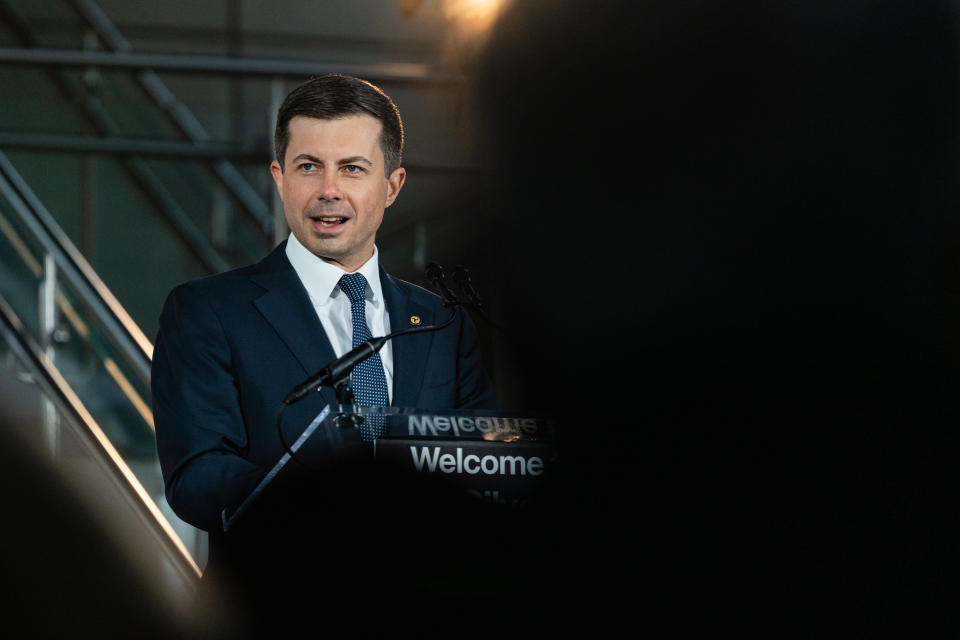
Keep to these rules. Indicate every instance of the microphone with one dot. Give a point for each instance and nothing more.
(337, 370)
(465, 283)
(436, 273)
(462, 277)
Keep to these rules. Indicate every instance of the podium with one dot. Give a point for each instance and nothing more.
(440, 513)
(472, 456)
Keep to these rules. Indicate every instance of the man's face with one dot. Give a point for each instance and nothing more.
(333, 186)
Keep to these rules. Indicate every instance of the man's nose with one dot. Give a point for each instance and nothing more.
(330, 188)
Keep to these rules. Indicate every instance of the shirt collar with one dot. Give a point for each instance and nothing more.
(321, 278)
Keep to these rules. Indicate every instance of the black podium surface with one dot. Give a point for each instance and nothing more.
(440, 513)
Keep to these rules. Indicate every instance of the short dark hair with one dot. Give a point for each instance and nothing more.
(334, 96)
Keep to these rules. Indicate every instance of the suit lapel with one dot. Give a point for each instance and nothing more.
(410, 351)
(287, 308)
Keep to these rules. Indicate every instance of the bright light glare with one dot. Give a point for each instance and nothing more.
(473, 17)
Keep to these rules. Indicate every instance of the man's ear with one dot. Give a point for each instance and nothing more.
(394, 184)
(277, 172)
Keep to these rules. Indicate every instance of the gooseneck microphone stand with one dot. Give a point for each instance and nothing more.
(337, 373)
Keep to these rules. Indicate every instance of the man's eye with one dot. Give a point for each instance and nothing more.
(352, 168)
(308, 166)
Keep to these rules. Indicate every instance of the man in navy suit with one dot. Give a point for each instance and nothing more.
(231, 346)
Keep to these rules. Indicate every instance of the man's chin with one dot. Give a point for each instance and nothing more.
(331, 255)
(324, 244)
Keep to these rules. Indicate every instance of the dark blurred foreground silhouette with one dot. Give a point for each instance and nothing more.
(65, 571)
(733, 230)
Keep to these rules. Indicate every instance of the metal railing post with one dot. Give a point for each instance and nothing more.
(48, 325)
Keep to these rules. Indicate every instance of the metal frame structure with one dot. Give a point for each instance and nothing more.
(178, 113)
(127, 146)
(141, 173)
(218, 65)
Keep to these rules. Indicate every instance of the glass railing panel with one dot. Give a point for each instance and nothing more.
(119, 229)
(88, 355)
(116, 396)
(76, 468)
(99, 372)
(21, 268)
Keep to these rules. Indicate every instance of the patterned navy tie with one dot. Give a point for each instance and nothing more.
(367, 379)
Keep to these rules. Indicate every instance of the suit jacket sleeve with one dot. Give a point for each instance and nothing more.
(201, 437)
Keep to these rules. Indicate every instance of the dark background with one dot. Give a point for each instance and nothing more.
(732, 234)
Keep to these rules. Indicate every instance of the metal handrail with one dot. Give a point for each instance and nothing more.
(127, 336)
(58, 391)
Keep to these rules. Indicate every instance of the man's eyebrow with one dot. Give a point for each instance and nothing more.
(355, 160)
(305, 156)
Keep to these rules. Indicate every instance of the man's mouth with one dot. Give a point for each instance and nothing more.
(328, 222)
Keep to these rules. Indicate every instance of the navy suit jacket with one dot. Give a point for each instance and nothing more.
(231, 346)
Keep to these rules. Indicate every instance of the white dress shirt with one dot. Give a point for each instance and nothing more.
(333, 305)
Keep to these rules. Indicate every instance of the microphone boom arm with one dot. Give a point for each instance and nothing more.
(339, 370)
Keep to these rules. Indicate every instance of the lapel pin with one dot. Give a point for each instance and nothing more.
(414, 320)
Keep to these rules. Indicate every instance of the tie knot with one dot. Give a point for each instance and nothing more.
(354, 285)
